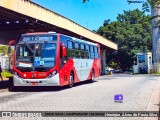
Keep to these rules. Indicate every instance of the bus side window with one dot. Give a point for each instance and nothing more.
(87, 51)
(85, 55)
(91, 52)
(70, 51)
(76, 45)
(82, 51)
(82, 46)
(77, 54)
(96, 52)
(76, 50)
(87, 48)
(63, 40)
(69, 44)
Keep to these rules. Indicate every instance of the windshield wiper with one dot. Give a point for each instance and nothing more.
(45, 43)
(28, 46)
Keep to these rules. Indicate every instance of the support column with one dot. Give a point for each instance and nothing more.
(156, 39)
(103, 61)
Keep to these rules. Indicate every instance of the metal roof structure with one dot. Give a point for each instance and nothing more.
(24, 14)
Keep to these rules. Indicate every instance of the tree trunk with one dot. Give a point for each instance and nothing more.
(156, 39)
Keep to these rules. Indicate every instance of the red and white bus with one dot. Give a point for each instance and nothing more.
(53, 59)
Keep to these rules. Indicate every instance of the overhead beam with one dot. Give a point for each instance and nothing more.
(35, 11)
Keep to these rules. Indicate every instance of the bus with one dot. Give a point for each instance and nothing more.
(53, 59)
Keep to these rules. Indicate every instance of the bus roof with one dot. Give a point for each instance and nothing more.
(39, 33)
(80, 40)
(54, 33)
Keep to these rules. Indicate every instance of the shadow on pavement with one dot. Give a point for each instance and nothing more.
(5, 85)
(110, 78)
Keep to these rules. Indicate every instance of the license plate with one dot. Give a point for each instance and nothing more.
(34, 83)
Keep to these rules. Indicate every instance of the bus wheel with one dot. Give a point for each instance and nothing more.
(92, 78)
(11, 86)
(71, 80)
(12, 89)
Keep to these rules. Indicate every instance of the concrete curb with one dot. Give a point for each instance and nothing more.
(154, 102)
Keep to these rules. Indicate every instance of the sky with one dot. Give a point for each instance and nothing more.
(89, 14)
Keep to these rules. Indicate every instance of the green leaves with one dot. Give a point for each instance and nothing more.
(153, 3)
(3, 50)
(145, 7)
(83, 1)
(132, 33)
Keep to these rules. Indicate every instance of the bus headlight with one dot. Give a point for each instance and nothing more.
(16, 74)
(49, 76)
(52, 74)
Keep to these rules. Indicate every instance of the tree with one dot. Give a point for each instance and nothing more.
(153, 3)
(83, 1)
(146, 7)
(3, 50)
(106, 22)
(132, 33)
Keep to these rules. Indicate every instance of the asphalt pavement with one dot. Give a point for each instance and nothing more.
(137, 91)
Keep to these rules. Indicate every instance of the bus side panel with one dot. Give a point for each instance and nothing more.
(72, 65)
(64, 73)
(96, 66)
(83, 68)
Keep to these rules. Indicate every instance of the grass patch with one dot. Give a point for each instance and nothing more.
(157, 74)
(6, 74)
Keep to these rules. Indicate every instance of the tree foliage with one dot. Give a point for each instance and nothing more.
(83, 1)
(153, 3)
(132, 33)
(3, 50)
(147, 4)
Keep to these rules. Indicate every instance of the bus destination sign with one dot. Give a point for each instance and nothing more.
(38, 38)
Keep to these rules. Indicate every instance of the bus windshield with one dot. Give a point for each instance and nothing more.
(35, 56)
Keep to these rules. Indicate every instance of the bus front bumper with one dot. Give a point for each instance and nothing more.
(53, 81)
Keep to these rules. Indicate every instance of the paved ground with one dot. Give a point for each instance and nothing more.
(97, 96)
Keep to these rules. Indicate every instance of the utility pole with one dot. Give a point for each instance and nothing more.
(156, 38)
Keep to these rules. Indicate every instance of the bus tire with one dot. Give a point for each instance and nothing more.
(12, 89)
(71, 80)
(11, 86)
(92, 77)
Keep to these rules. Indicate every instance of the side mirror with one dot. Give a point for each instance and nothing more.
(12, 42)
(64, 51)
